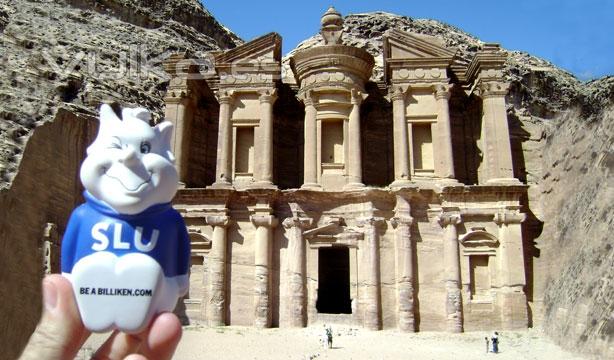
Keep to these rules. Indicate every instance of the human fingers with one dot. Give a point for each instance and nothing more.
(119, 345)
(60, 333)
(163, 338)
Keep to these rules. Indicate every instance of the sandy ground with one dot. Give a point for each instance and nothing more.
(349, 343)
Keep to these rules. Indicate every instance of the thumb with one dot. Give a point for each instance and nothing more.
(60, 332)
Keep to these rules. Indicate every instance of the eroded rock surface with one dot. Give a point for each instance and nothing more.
(77, 53)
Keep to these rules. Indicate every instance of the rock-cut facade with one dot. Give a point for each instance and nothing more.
(328, 197)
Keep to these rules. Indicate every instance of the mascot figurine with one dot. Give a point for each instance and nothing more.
(126, 251)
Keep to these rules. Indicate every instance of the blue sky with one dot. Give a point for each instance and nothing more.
(576, 35)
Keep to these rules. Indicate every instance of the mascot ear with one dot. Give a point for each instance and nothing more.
(108, 120)
(136, 113)
(165, 132)
(107, 115)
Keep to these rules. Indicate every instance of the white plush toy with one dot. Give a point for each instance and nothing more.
(126, 250)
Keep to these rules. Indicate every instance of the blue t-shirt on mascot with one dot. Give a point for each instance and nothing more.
(158, 232)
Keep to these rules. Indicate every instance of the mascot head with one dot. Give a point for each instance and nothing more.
(130, 166)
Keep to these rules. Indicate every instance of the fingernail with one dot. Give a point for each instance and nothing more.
(50, 294)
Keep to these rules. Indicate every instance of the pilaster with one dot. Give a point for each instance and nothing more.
(495, 132)
(454, 301)
(401, 139)
(223, 170)
(402, 222)
(296, 296)
(355, 155)
(444, 167)
(511, 267)
(178, 111)
(262, 292)
(217, 270)
(486, 70)
(371, 302)
(310, 163)
(264, 157)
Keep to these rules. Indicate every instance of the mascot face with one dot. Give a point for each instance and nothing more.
(130, 166)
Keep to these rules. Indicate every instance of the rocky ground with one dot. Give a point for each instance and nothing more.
(350, 343)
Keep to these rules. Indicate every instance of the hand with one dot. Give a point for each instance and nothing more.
(60, 333)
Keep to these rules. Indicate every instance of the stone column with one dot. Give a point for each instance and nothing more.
(310, 153)
(401, 140)
(264, 160)
(295, 272)
(405, 277)
(223, 170)
(454, 302)
(217, 270)
(262, 295)
(511, 270)
(372, 314)
(495, 133)
(178, 113)
(445, 168)
(51, 249)
(355, 155)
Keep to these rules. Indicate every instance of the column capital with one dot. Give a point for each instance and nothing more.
(268, 95)
(401, 220)
(447, 219)
(299, 222)
(492, 88)
(397, 92)
(442, 91)
(176, 96)
(264, 220)
(369, 221)
(217, 220)
(308, 98)
(224, 96)
(509, 217)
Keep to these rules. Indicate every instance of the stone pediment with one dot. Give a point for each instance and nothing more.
(403, 45)
(265, 48)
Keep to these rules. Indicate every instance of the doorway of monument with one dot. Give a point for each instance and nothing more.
(334, 281)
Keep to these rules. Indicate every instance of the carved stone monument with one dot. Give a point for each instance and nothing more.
(340, 199)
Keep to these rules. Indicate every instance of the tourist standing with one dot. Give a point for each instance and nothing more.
(495, 342)
(329, 336)
(487, 344)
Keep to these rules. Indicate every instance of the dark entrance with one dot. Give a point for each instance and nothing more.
(334, 281)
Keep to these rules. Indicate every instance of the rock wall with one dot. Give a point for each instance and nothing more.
(41, 194)
(58, 61)
(576, 273)
(83, 52)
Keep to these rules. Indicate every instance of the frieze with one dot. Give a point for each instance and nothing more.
(419, 74)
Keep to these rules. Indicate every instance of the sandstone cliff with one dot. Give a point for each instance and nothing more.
(560, 127)
(76, 53)
(58, 61)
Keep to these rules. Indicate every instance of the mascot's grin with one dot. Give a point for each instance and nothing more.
(138, 188)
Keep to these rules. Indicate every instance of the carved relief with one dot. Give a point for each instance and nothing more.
(429, 237)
